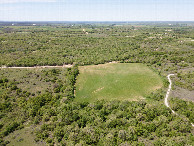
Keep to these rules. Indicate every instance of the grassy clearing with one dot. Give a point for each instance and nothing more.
(34, 81)
(116, 82)
(23, 137)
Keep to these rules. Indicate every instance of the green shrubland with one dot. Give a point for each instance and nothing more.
(44, 98)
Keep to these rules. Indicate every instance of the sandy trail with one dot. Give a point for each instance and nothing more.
(64, 66)
(167, 94)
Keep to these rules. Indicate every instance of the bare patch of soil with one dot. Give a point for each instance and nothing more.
(183, 94)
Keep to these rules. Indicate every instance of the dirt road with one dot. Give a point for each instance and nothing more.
(64, 66)
(167, 94)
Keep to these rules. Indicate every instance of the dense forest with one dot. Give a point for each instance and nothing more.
(62, 121)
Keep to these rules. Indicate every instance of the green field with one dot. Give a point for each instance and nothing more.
(127, 81)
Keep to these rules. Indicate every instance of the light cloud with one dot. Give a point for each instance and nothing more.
(26, 1)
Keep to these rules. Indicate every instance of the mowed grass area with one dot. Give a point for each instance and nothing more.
(116, 81)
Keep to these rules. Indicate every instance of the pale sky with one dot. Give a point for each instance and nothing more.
(96, 10)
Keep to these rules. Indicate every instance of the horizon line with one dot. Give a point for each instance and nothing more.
(98, 21)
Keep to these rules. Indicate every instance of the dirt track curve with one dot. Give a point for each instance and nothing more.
(167, 94)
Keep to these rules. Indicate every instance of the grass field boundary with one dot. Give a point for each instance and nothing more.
(95, 80)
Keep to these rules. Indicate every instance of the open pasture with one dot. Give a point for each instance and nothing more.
(116, 81)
